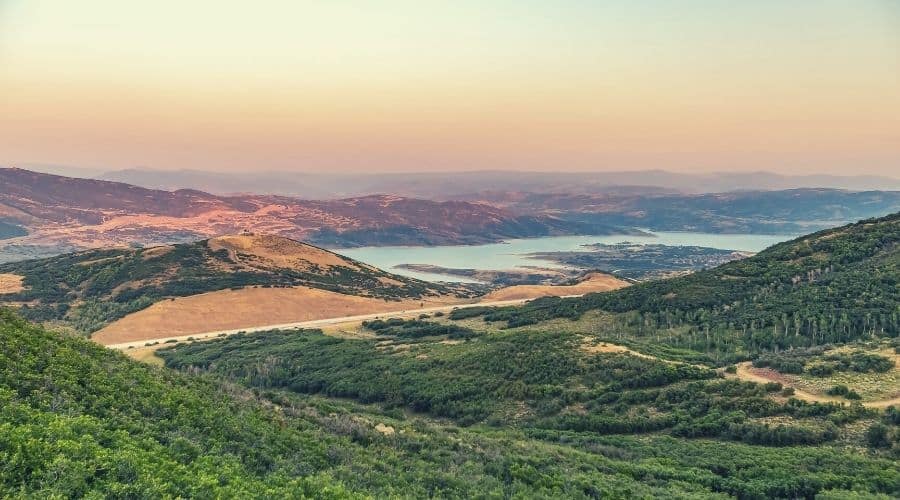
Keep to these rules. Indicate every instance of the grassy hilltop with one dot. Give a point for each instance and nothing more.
(89, 289)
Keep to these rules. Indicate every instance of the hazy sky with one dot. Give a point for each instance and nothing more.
(782, 85)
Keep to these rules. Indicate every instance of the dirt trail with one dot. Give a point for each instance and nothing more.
(745, 371)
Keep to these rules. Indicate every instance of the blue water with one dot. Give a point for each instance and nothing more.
(513, 253)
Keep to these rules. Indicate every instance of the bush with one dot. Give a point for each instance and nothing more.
(773, 386)
(878, 436)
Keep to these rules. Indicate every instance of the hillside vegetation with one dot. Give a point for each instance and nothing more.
(67, 431)
(89, 289)
(437, 407)
(703, 434)
(833, 286)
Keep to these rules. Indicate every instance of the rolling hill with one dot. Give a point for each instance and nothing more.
(91, 288)
(836, 285)
(58, 211)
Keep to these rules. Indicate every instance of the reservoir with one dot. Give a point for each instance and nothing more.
(511, 254)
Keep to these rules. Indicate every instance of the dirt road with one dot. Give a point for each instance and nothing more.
(319, 323)
(745, 372)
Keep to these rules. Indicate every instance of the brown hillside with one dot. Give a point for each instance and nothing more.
(269, 251)
(10, 283)
(232, 309)
(88, 213)
(594, 282)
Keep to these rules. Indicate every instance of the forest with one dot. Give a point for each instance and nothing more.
(547, 386)
(834, 286)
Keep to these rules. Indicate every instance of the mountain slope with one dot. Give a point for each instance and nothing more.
(87, 213)
(76, 418)
(832, 286)
(88, 289)
(793, 211)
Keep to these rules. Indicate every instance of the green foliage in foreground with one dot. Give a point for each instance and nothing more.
(78, 420)
(545, 386)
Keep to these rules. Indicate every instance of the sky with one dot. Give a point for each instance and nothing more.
(790, 86)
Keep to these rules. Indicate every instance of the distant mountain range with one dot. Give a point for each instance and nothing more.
(792, 211)
(446, 185)
(69, 212)
(61, 214)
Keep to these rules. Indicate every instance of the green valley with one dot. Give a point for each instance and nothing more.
(632, 393)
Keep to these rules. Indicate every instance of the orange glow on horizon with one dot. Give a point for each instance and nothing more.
(589, 89)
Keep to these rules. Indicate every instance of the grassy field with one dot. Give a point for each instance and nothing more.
(871, 386)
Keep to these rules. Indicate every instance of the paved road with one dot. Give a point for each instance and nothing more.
(318, 323)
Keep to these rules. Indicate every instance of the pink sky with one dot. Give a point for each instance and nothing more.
(792, 87)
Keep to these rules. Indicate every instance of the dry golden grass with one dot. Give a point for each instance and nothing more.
(10, 283)
(154, 252)
(387, 430)
(607, 348)
(275, 251)
(146, 355)
(595, 282)
(248, 307)
(871, 386)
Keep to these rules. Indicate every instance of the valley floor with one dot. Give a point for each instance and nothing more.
(249, 309)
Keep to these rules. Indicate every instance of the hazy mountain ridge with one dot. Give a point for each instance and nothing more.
(792, 211)
(91, 213)
(446, 185)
